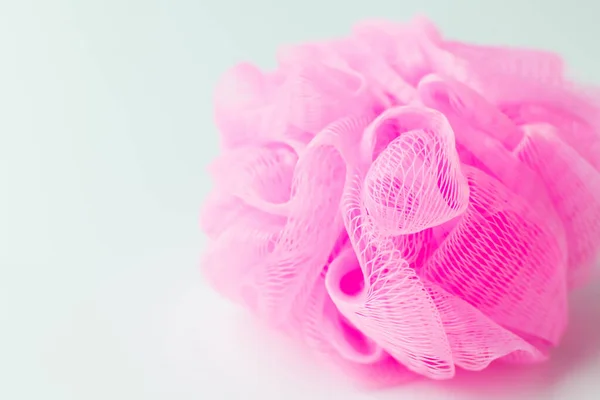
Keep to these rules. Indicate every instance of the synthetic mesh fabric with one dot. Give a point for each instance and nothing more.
(404, 204)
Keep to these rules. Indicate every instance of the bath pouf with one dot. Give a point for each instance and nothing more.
(403, 204)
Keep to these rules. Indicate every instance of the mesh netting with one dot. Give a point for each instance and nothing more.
(404, 204)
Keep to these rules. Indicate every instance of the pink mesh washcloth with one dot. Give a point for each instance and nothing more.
(406, 204)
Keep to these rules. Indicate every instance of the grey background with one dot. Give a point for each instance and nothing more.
(105, 130)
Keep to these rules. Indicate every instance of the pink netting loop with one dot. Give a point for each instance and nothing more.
(403, 204)
(416, 182)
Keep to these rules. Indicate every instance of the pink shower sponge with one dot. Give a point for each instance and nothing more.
(404, 204)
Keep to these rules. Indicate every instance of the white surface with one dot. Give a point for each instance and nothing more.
(105, 131)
